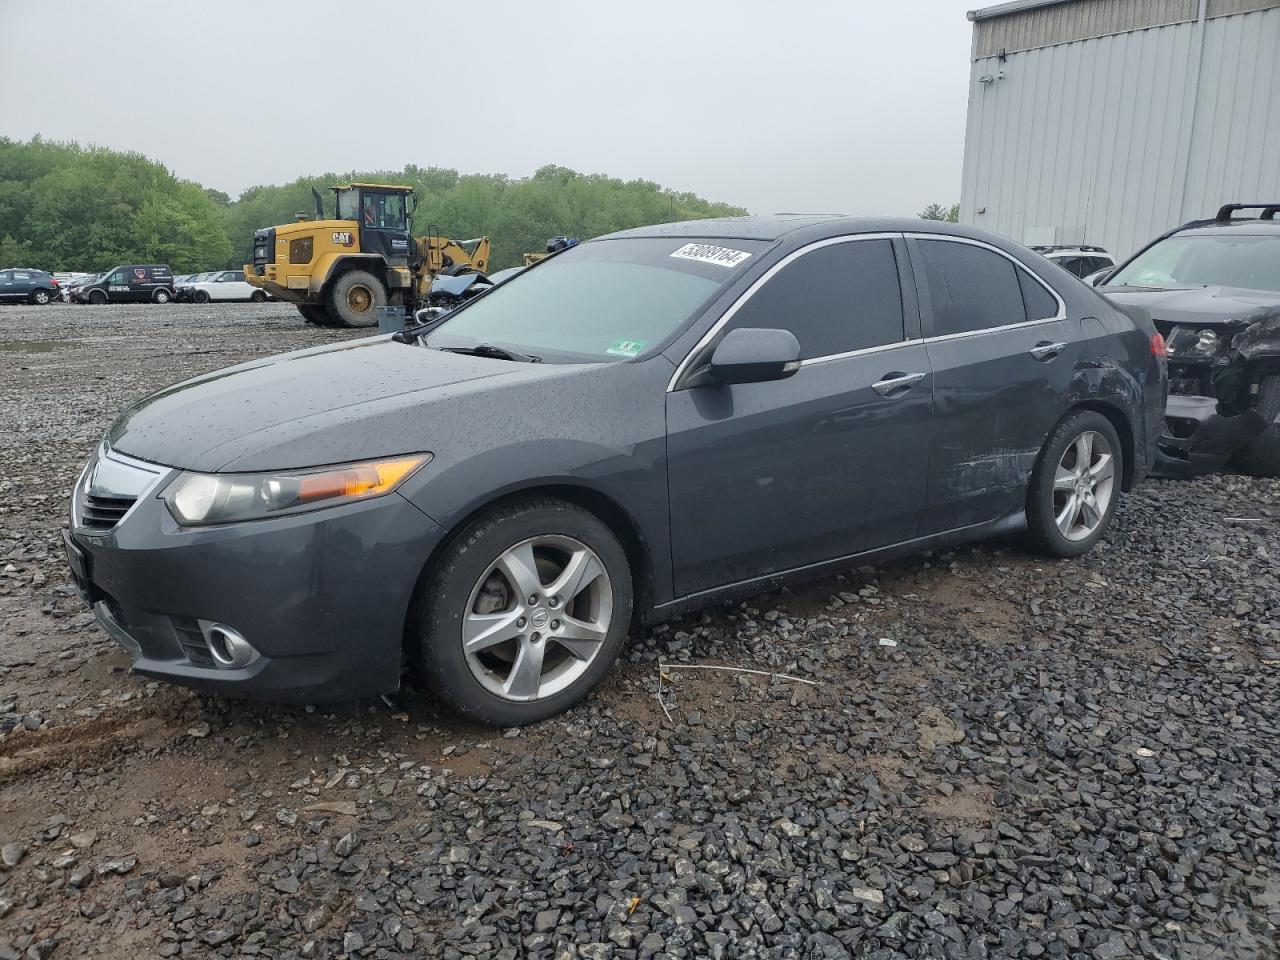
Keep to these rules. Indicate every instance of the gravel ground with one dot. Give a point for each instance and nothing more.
(998, 756)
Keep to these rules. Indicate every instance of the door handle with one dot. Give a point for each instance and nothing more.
(1046, 350)
(897, 383)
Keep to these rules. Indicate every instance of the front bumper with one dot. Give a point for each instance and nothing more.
(1198, 440)
(322, 597)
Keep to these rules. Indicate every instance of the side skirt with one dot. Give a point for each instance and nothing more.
(979, 531)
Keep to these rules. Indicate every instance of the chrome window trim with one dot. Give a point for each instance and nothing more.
(764, 278)
(865, 350)
(1017, 264)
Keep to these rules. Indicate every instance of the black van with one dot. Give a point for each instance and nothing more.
(133, 283)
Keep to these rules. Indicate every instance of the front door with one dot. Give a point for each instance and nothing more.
(1003, 354)
(768, 477)
(7, 291)
(384, 227)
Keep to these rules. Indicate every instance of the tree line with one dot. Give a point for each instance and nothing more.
(68, 207)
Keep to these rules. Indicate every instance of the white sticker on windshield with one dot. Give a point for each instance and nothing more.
(708, 253)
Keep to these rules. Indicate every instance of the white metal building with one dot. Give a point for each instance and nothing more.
(1110, 121)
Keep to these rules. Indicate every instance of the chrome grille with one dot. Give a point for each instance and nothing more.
(108, 489)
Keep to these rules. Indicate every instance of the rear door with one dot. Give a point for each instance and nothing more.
(1002, 353)
(767, 477)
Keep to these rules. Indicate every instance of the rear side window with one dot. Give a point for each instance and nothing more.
(835, 299)
(1040, 304)
(970, 288)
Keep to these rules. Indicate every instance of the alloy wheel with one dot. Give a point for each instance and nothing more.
(1083, 485)
(537, 618)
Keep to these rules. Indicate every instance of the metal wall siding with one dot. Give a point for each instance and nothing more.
(1095, 139)
(1084, 19)
(1225, 8)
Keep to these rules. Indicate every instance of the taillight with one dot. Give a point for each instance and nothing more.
(54, 281)
(1157, 345)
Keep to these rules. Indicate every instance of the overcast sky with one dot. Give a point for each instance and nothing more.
(845, 106)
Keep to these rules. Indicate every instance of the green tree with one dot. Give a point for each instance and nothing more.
(936, 211)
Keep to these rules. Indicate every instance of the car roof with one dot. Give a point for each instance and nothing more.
(813, 226)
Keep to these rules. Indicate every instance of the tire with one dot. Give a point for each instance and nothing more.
(469, 582)
(352, 290)
(200, 296)
(40, 297)
(258, 296)
(97, 297)
(1059, 522)
(1261, 458)
(161, 296)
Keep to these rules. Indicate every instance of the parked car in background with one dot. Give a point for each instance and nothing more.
(24, 285)
(1078, 259)
(68, 279)
(131, 283)
(1212, 288)
(184, 287)
(641, 424)
(225, 285)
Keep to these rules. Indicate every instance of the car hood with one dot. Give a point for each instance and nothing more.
(324, 405)
(1196, 306)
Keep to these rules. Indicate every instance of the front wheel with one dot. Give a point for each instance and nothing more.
(200, 296)
(355, 297)
(1075, 485)
(1261, 458)
(258, 296)
(40, 297)
(97, 298)
(525, 613)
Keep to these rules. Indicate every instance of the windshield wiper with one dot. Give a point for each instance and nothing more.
(494, 351)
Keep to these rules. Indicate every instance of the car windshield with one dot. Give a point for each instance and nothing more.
(602, 300)
(1250, 261)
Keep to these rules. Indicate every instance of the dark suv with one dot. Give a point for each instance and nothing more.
(1212, 287)
(24, 285)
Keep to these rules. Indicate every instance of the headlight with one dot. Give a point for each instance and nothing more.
(1206, 342)
(195, 499)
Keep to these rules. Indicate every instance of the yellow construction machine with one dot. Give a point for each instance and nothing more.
(339, 271)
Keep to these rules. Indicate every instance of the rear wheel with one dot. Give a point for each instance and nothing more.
(97, 297)
(40, 297)
(1261, 458)
(258, 296)
(355, 297)
(525, 613)
(162, 296)
(1075, 485)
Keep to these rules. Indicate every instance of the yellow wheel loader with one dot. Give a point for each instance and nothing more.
(339, 271)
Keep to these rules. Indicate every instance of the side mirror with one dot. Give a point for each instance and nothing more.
(1098, 277)
(754, 355)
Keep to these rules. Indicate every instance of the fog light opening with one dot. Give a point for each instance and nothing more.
(227, 646)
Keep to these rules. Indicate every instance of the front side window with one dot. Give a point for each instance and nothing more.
(970, 288)
(1248, 261)
(383, 211)
(118, 277)
(835, 299)
(600, 301)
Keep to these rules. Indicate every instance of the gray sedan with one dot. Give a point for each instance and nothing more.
(635, 426)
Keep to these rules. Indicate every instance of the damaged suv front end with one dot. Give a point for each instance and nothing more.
(1212, 289)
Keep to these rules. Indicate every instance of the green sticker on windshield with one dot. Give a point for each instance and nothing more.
(626, 348)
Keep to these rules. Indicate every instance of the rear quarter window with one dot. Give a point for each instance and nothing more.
(970, 288)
